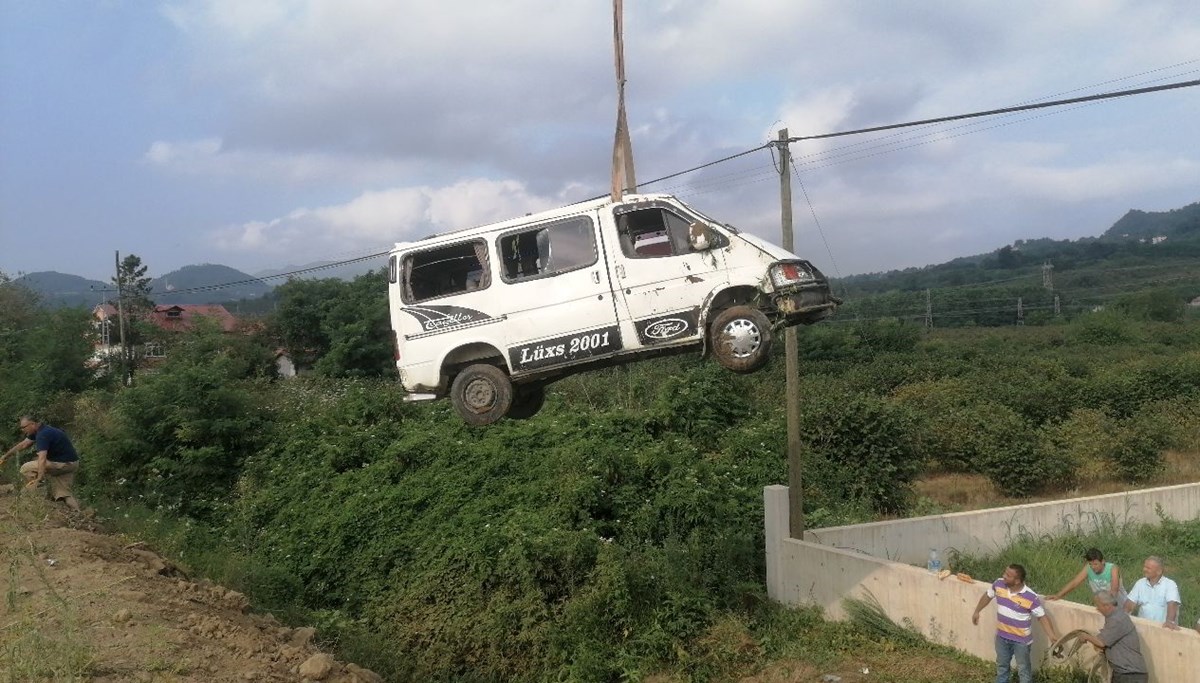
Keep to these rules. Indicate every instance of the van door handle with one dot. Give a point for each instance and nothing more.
(620, 271)
(596, 276)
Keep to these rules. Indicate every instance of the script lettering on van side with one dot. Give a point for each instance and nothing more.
(572, 347)
(435, 318)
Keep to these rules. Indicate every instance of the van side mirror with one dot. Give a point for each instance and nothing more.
(700, 236)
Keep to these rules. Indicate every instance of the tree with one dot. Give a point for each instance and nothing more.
(339, 328)
(133, 285)
(134, 304)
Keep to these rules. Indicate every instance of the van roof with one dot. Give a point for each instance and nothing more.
(551, 214)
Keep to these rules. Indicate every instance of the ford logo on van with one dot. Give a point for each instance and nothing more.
(667, 328)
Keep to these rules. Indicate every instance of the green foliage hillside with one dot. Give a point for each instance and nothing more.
(61, 290)
(613, 535)
(1176, 223)
(205, 276)
(618, 533)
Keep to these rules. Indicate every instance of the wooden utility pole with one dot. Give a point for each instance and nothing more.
(126, 360)
(623, 177)
(792, 351)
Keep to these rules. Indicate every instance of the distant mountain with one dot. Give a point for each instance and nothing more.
(199, 285)
(1176, 223)
(59, 290)
(324, 269)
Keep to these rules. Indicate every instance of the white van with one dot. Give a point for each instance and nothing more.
(490, 315)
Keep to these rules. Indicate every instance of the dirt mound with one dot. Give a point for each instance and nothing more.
(83, 605)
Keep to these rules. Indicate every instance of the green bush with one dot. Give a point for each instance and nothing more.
(857, 449)
(1085, 439)
(178, 436)
(1103, 328)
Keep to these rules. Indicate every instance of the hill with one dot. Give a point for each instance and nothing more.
(327, 269)
(1174, 224)
(58, 290)
(1143, 253)
(198, 285)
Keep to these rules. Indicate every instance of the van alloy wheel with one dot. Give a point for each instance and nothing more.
(741, 339)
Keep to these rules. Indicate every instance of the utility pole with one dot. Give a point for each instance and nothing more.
(126, 361)
(791, 350)
(928, 310)
(623, 177)
(1057, 307)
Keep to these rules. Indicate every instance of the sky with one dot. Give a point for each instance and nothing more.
(264, 134)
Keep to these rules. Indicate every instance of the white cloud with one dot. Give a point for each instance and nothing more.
(1095, 181)
(209, 157)
(374, 220)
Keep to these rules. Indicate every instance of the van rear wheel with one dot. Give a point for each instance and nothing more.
(741, 339)
(527, 402)
(481, 394)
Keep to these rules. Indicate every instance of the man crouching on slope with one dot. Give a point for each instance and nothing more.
(56, 461)
(1016, 606)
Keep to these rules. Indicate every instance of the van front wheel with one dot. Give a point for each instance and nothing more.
(481, 394)
(741, 339)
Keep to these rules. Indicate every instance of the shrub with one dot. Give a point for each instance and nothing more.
(857, 449)
(1104, 328)
(1085, 439)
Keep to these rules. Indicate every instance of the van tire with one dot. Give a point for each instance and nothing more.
(527, 402)
(481, 394)
(740, 337)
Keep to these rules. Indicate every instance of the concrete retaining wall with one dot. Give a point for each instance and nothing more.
(810, 573)
(987, 531)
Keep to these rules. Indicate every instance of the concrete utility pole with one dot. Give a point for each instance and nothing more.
(791, 349)
(928, 310)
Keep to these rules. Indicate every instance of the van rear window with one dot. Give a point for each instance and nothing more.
(452, 269)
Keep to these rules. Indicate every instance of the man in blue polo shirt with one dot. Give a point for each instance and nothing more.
(56, 462)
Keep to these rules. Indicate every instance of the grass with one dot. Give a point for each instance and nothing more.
(1051, 562)
(39, 639)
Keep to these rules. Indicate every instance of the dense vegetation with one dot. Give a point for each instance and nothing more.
(618, 533)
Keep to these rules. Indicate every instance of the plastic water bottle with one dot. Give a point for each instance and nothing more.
(935, 564)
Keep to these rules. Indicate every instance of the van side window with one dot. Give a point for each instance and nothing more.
(654, 233)
(548, 249)
(452, 269)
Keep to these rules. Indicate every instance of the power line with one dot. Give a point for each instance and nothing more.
(1005, 110)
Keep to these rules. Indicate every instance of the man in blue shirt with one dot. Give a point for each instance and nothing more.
(56, 462)
(1154, 596)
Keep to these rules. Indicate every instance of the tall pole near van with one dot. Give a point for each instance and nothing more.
(623, 177)
(795, 481)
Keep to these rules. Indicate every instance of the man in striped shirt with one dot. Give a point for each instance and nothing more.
(1016, 606)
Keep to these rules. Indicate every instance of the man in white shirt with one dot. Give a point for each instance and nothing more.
(1154, 596)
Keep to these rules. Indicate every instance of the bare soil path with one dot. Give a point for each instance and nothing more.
(82, 605)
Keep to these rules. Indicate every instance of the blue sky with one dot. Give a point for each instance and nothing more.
(262, 134)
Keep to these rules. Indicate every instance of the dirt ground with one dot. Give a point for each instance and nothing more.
(82, 605)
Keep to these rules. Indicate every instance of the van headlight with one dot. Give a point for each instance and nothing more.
(789, 273)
